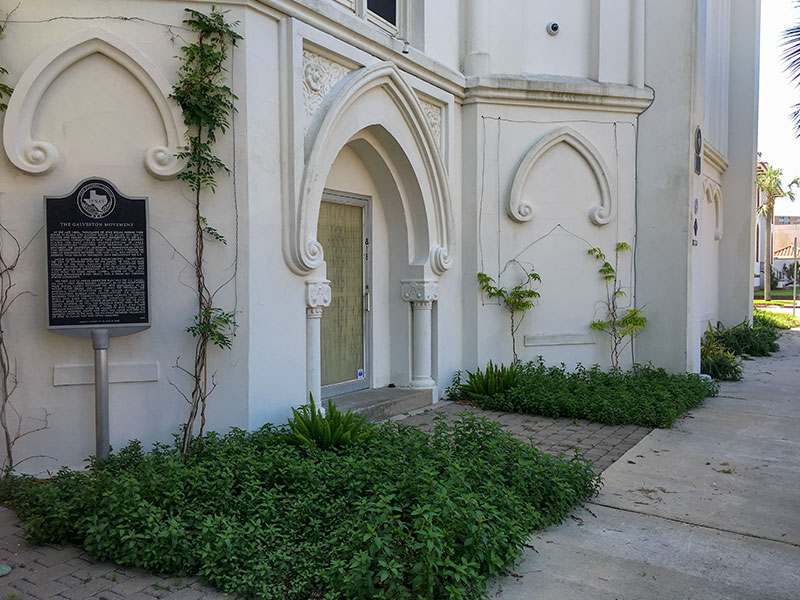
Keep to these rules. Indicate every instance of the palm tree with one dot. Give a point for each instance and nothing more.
(768, 181)
(791, 56)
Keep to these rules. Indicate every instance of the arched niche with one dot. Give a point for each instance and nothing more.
(713, 195)
(377, 100)
(38, 157)
(520, 210)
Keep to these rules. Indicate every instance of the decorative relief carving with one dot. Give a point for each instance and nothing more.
(38, 157)
(320, 74)
(433, 114)
(318, 294)
(521, 210)
(421, 294)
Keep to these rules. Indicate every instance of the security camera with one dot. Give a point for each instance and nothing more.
(552, 28)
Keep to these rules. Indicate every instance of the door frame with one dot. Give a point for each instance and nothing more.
(365, 202)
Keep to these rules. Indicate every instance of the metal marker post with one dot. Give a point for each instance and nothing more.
(794, 287)
(97, 275)
(100, 343)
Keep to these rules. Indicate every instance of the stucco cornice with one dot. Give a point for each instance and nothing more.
(330, 19)
(559, 91)
(714, 157)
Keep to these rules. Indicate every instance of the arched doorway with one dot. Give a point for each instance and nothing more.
(372, 144)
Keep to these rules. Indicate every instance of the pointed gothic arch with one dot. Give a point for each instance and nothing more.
(38, 157)
(713, 195)
(373, 97)
(521, 210)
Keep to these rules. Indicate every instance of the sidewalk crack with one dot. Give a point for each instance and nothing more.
(682, 522)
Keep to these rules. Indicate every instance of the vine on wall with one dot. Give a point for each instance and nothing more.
(621, 326)
(208, 105)
(10, 253)
(517, 301)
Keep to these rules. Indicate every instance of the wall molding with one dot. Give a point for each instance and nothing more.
(554, 91)
(521, 210)
(714, 157)
(38, 157)
(117, 373)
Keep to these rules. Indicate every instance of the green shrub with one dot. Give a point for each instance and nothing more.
(647, 396)
(334, 428)
(744, 339)
(765, 318)
(405, 516)
(497, 379)
(718, 362)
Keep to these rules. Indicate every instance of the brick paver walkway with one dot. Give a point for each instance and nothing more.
(68, 573)
(602, 444)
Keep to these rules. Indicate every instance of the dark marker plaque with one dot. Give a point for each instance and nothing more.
(97, 268)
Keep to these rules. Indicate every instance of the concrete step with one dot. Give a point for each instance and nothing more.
(383, 403)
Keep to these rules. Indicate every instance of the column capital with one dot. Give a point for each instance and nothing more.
(318, 295)
(421, 293)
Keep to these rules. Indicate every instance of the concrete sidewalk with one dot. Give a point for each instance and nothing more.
(707, 510)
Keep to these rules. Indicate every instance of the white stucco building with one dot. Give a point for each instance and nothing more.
(379, 163)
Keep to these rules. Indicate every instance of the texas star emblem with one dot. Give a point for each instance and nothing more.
(96, 200)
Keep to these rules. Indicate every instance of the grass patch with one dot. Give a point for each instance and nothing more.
(403, 516)
(648, 397)
(765, 318)
(779, 293)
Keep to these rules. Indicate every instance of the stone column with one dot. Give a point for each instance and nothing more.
(318, 295)
(421, 295)
(476, 61)
(636, 77)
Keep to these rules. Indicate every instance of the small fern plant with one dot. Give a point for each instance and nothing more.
(310, 427)
(496, 379)
(621, 325)
(517, 301)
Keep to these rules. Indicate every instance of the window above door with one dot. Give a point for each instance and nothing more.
(392, 16)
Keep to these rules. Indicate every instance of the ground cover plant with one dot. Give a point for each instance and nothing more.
(764, 318)
(403, 516)
(745, 339)
(645, 396)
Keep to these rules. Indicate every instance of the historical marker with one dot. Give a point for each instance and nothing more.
(97, 270)
(97, 275)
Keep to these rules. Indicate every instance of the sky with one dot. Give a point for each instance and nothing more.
(777, 140)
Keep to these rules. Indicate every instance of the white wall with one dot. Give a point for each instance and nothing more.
(443, 31)
(666, 135)
(101, 120)
(519, 42)
(561, 189)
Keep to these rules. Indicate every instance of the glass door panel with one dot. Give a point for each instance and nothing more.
(341, 233)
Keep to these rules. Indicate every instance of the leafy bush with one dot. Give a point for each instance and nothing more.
(405, 516)
(647, 396)
(744, 339)
(334, 428)
(717, 361)
(765, 318)
(497, 379)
